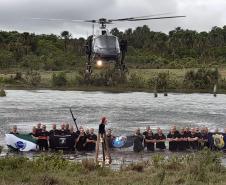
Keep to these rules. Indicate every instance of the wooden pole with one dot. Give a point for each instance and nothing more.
(215, 90)
(105, 150)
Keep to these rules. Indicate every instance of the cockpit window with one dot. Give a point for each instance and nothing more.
(106, 42)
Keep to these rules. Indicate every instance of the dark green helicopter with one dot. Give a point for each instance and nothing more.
(105, 48)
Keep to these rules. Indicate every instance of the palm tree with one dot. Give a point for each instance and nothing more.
(65, 35)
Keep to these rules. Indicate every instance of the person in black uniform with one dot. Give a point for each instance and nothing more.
(67, 129)
(91, 139)
(43, 139)
(182, 141)
(72, 138)
(33, 133)
(52, 133)
(174, 127)
(102, 126)
(187, 134)
(203, 141)
(150, 140)
(146, 131)
(160, 140)
(137, 142)
(38, 129)
(193, 139)
(81, 141)
(172, 138)
(110, 137)
(14, 130)
(78, 131)
(87, 132)
(63, 130)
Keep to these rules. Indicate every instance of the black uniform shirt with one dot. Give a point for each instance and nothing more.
(160, 145)
(91, 146)
(102, 128)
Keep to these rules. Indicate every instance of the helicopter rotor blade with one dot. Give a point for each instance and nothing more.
(60, 20)
(92, 21)
(110, 21)
(46, 19)
(153, 18)
(139, 17)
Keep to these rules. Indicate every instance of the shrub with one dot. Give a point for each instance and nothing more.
(59, 79)
(202, 78)
(138, 167)
(32, 78)
(18, 76)
(136, 81)
(89, 164)
(2, 94)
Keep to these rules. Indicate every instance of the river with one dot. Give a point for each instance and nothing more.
(125, 111)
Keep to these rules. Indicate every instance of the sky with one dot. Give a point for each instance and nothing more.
(16, 15)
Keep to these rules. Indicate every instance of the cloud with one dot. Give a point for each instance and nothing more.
(17, 14)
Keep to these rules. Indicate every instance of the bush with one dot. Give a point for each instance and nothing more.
(138, 167)
(202, 78)
(59, 80)
(32, 78)
(136, 81)
(89, 164)
(160, 81)
(18, 76)
(2, 94)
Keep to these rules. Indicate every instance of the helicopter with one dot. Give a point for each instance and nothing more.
(106, 48)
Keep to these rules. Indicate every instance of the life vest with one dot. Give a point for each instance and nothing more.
(218, 140)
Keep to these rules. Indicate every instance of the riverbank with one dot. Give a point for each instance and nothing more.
(114, 89)
(137, 80)
(200, 168)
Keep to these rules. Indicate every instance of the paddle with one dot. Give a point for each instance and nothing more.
(74, 119)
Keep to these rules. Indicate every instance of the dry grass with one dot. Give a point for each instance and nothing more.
(201, 168)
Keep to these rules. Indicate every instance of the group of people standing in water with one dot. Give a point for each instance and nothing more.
(85, 139)
(179, 140)
(81, 140)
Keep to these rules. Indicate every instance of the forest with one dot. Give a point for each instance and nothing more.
(179, 48)
(182, 60)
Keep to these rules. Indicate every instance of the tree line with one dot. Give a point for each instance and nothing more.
(178, 48)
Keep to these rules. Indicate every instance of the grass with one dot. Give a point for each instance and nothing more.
(176, 77)
(200, 168)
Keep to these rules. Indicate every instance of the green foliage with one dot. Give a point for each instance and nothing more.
(147, 49)
(7, 59)
(89, 164)
(136, 81)
(32, 78)
(158, 160)
(202, 78)
(162, 80)
(138, 167)
(59, 79)
(195, 168)
(2, 94)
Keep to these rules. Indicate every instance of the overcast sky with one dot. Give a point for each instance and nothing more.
(202, 15)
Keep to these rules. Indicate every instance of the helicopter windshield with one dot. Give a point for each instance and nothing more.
(106, 42)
